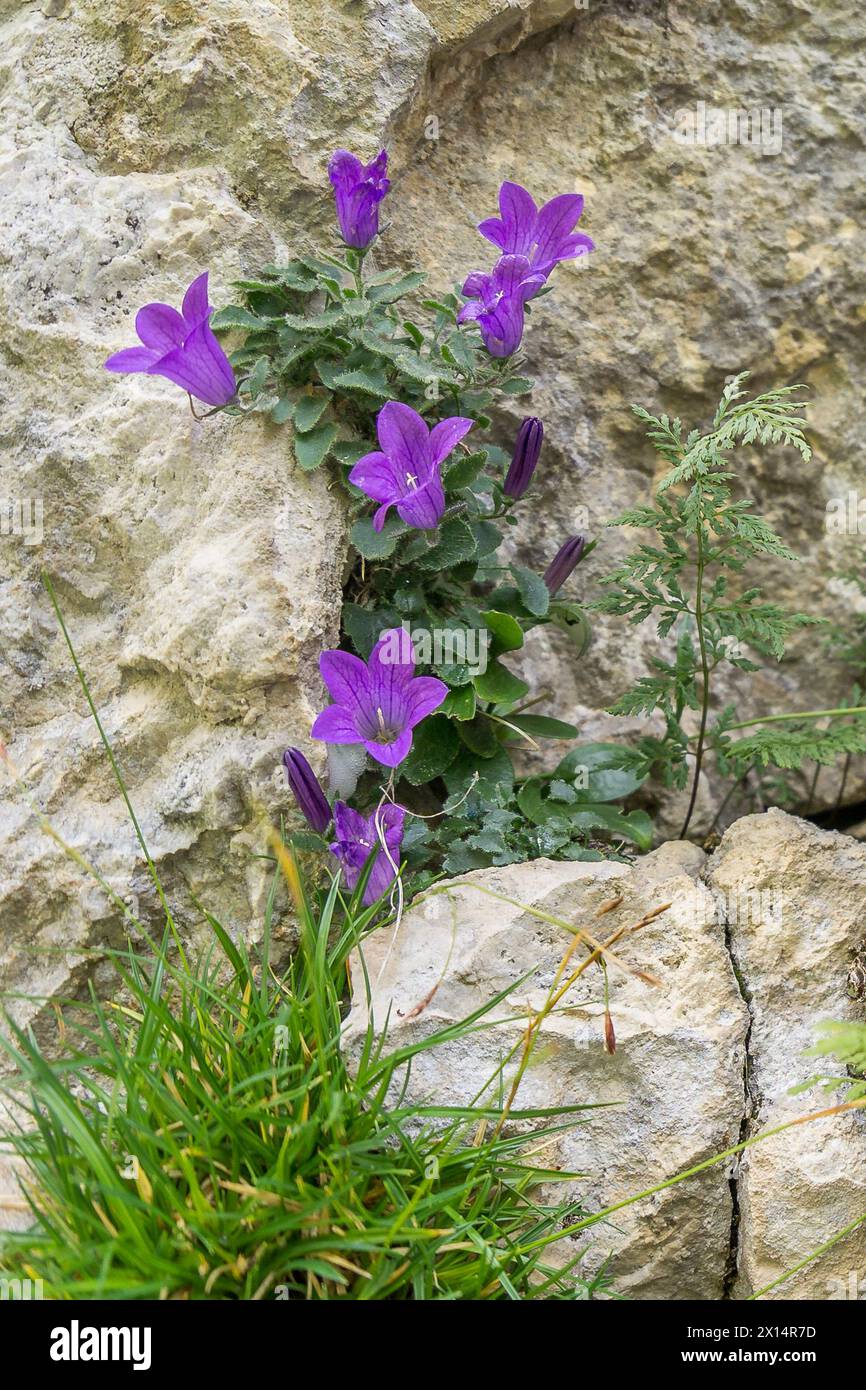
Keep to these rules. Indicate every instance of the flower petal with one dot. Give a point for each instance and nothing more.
(195, 301)
(345, 676)
(334, 725)
(391, 667)
(378, 476)
(519, 215)
(478, 285)
(555, 222)
(509, 271)
(404, 436)
(137, 359)
(200, 366)
(446, 434)
(424, 695)
(492, 229)
(345, 169)
(390, 754)
(380, 514)
(424, 507)
(159, 326)
(577, 245)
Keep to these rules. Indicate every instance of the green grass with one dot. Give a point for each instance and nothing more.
(205, 1138)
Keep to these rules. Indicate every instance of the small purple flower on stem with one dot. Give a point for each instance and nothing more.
(357, 836)
(306, 790)
(500, 299)
(527, 448)
(566, 559)
(358, 191)
(406, 473)
(544, 236)
(181, 347)
(378, 702)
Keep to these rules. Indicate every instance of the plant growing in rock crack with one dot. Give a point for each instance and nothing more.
(394, 391)
(704, 536)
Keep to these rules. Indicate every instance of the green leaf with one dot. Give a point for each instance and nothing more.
(371, 383)
(506, 632)
(308, 411)
(463, 471)
(435, 745)
(516, 386)
(571, 618)
(455, 542)
(254, 384)
(283, 410)
(390, 293)
(499, 685)
(608, 771)
(539, 726)
(635, 826)
(492, 774)
(312, 448)
(235, 316)
(460, 703)
(487, 536)
(377, 545)
(480, 737)
(533, 590)
(364, 625)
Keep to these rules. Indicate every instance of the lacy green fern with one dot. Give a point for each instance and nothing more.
(681, 579)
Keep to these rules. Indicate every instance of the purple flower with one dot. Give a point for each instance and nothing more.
(306, 790)
(544, 237)
(405, 474)
(527, 447)
(357, 836)
(379, 702)
(181, 347)
(358, 191)
(501, 297)
(566, 559)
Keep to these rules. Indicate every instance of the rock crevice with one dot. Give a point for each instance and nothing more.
(753, 951)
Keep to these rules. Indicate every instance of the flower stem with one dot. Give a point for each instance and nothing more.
(802, 714)
(705, 672)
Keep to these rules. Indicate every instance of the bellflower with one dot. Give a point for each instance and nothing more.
(377, 702)
(356, 838)
(544, 236)
(306, 790)
(500, 300)
(406, 473)
(358, 191)
(527, 448)
(181, 347)
(566, 559)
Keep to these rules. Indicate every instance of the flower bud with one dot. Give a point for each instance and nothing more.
(306, 790)
(527, 447)
(566, 559)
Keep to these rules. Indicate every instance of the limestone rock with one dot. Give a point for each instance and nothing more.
(675, 1082)
(197, 571)
(794, 897)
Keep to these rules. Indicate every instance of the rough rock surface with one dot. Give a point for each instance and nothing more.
(675, 1081)
(198, 573)
(795, 901)
(773, 920)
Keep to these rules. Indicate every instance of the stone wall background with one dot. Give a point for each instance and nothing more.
(199, 572)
